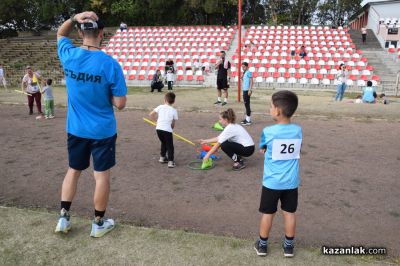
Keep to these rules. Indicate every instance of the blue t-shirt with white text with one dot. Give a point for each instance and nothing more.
(92, 77)
(281, 173)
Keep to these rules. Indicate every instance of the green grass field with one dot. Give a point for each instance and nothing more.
(27, 238)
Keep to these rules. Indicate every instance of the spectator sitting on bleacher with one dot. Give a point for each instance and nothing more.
(157, 82)
(369, 94)
(302, 52)
(123, 26)
(206, 67)
(169, 64)
(197, 65)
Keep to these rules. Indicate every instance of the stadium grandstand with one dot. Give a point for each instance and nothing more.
(267, 49)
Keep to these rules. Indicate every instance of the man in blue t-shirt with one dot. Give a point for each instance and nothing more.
(281, 145)
(247, 86)
(95, 83)
(369, 93)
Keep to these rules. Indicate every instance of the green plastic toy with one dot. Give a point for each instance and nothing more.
(207, 164)
(218, 126)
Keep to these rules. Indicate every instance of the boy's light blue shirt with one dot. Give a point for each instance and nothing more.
(92, 77)
(368, 94)
(48, 93)
(280, 174)
(246, 80)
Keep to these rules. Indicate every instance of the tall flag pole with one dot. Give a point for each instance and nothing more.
(239, 67)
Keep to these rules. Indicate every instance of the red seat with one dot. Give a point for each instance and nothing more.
(352, 77)
(375, 77)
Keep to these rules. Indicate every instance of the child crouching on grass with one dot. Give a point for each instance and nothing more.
(167, 115)
(280, 144)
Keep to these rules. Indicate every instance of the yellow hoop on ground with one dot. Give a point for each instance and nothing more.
(176, 135)
(23, 92)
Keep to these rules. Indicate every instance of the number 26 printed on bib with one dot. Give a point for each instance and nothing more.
(286, 149)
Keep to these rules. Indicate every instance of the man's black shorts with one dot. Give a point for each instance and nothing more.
(102, 151)
(222, 84)
(270, 198)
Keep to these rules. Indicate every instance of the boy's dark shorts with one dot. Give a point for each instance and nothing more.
(102, 151)
(222, 84)
(270, 198)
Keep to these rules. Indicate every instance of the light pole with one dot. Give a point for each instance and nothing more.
(239, 67)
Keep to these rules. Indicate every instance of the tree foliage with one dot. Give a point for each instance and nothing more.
(36, 15)
(336, 12)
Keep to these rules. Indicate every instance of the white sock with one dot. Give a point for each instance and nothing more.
(219, 99)
(225, 100)
(248, 118)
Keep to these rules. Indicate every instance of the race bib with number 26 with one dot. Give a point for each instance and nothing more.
(286, 149)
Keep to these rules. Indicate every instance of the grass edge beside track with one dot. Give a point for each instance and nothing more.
(27, 237)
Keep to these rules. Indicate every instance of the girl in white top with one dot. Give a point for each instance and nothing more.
(235, 141)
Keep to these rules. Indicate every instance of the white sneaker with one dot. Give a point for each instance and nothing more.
(163, 160)
(101, 230)
(171, 164)
(63, 225)
(51, 116)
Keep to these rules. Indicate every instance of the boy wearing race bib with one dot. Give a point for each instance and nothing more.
(280, 144)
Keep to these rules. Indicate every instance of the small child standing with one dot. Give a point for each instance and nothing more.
(167, 115)
(170, 79)
(280, 144)
(48, 100)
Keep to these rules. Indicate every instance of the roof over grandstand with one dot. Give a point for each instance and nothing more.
(369, 2)
(385, 8)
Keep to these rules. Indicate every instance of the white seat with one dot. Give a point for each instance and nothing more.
(361, 83)
(326, 82)
(292, 80)
(303, 81)
(281, 80)
(269, 80)
(259, 79)
(314, 81)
